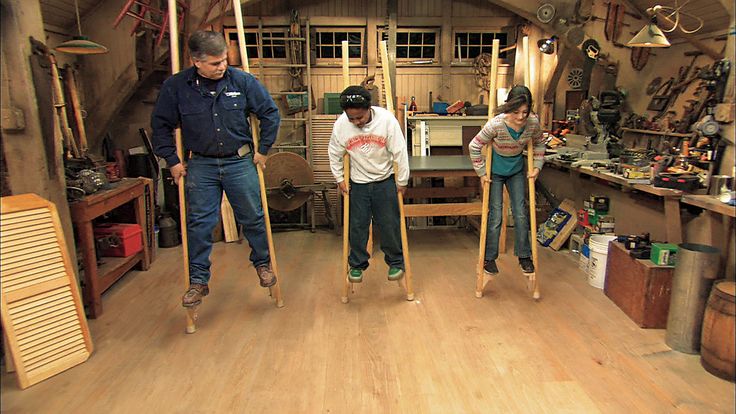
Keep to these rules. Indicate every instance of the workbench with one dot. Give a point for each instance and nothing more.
(441, 166)
(670, 197)
(83, 212)
(719, 220)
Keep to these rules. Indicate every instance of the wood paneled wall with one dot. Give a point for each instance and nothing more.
(445, 80)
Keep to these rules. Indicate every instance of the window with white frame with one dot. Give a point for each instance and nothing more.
(328, 44)
(271, 39)
(469, 44)
(415, 44)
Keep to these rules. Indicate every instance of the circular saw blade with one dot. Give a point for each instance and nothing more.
(286, 169)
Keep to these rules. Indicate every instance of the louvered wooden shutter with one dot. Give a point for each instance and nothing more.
(42, 314)
(321, 133)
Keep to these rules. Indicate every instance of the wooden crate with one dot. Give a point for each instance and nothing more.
(639, 287)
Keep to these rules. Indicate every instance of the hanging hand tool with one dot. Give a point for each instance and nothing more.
(71, 86)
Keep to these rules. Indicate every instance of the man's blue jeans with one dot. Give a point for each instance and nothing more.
(380, 202)
(206, 179)
(516, 185)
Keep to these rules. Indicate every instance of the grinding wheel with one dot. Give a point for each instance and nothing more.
(288, 178)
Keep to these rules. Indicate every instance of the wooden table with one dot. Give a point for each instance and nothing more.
(441, 166)
(97, 280)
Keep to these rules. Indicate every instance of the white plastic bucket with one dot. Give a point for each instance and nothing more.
(598, 255)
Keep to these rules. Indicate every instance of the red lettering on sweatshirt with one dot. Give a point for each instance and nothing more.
(365, 142)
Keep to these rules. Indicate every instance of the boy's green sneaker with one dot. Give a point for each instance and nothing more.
(355, 275)
(395, 273)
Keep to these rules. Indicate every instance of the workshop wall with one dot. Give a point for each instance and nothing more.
(31, 167)
(449, 79)
(663, 62)
(107, 81)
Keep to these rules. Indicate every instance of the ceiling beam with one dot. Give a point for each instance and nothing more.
(524, 8)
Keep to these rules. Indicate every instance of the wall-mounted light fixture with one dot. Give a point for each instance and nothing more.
(547, 46)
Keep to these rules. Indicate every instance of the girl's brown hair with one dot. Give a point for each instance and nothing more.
(518, 96)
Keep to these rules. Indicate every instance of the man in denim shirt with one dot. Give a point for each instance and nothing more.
(211, 103)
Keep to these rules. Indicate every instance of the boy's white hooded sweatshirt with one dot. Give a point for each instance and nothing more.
(372, 149)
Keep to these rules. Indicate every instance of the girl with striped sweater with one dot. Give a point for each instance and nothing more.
(509, 132)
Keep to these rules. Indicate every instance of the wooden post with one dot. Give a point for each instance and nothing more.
(388, 89)
(481, 278)
(191, 327)
(274, 290)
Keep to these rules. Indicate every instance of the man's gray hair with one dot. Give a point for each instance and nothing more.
(203, 43)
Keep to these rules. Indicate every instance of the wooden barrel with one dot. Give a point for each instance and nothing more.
(717, 346)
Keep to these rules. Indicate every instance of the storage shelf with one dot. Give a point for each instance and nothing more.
(660, 133)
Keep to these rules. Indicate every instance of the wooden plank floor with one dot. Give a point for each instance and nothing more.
(446, 352)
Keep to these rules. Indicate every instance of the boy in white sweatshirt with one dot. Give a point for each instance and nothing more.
(373, 138)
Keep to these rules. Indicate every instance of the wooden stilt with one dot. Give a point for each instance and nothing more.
(275, 290)
(346, 197)
(191, 313)
(346, 230)
(533, 282)
(482, 278)
(407, 285)
(388, 89)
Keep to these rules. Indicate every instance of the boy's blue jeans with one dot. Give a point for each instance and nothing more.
(377, 201)
(516, 185)
(206, 179)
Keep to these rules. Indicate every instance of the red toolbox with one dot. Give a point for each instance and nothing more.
(131, 240)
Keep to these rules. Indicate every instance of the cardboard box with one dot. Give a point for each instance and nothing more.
(640, 288)
(130, 235)
(561, 223)
(663, 254)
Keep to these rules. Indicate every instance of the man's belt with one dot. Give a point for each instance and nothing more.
(242, 151)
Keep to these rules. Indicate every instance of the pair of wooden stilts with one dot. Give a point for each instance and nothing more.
(482, 278)
(406, 281)
(348, 287)
(275, 290)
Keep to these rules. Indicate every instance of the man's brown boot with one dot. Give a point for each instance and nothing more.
(194, 295)
(266, 275)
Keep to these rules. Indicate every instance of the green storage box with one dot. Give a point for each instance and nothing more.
(332, 104)
(663, 254)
